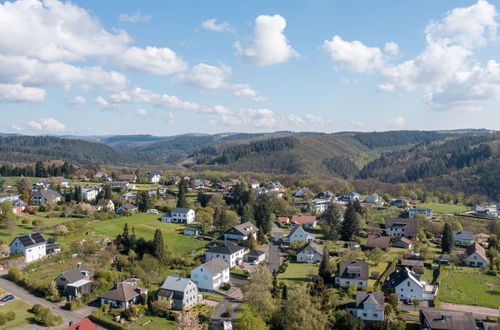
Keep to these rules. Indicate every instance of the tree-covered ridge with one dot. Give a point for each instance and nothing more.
(341, 166)
(397, 138)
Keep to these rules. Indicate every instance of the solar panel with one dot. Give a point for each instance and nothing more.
(37, 238)
(26, 240)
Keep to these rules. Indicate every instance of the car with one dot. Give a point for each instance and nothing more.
(7, 298)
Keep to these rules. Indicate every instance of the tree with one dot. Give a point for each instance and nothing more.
(375, 255)
(61, 230)
(188, 321)
(40, 170)
(143, 201)
(324, 268)
(229, 219)
(205, 219)
(248, 214)
(345, 320)
(247, 320)
(415, 302)
(158, 247)
(252, 242)
(257, 293)
(393, 300)
(447, 239)
(2, 185)
(182, 201)
(108, 194)
(331, 225)
(263, 214)
(351, 224)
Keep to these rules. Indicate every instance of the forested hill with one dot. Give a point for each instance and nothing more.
(22, 149)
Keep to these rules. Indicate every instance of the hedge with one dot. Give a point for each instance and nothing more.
(105, 322)
(13, 256)
(385, 274)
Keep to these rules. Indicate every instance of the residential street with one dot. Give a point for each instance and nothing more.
(274, 254)
(233, 302)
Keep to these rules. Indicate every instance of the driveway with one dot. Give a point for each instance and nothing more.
(476, 310)
(219, 313)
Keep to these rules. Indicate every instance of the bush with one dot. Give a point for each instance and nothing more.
(225, 286)
(96, 317)
(25, 221)
(160, 308)
(45, 317)
(10, 315)
(71, 305)
(282, 268)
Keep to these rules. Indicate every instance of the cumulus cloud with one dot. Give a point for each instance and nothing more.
(153, 60)
(244, 117)
(169, 118)
(212, 25)
(134, 18)
(269, 44)
(48, 125)
(141, 112)
(357, 123)
(20, 93)
(138, 95)
(248, 91)
(398, 122)
(206, 76)
(102, 101)
(78, 100)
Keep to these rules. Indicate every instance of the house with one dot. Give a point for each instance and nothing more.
(241, 232)
(101, 176)
(284, 220)
(153, 177)
(42, 197)
(211, 275)
(310, 253)
(32, 246)
(127, 177)
(229, 252)
(105, 205)
(401, 242)
(369, 306)
(119, 184)
(75, 282)
(302, 192)
(18, 206)
(182, 292)
(475, 256)
(399, 202)
(463, 237)
(275, 186)
(84, 324)
(191, 231)
(377, 241)
(260, 190)
(253, 184)
(372, 199)
(126, 208)
(89, 194)
(407, 285)
(351, 245)
(308, 221)
(179, 215)
(255, 257)
(320, 205)
(440, 319)
(482, 239)
(352, 272)
(411, 213)
(398, 227)
(325, 195)
(411, 263)
(489, 211)
(123, 295)
(299, 234)
(349, 197)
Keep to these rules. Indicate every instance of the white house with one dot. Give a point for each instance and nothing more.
(407, 285)
(123, 295)
(308, 221)
(489, 211)
(179, 215)
(352, 272)
(475, 256)
(320, 205)
(463, 237)
(32, 246)
(211, 274)
(369, 306)
(425, 212)
(153, 177)
(310, 253)
(45, 196)
(255, 257)
(229, 252)
(191, 231)
(372, 199)
(182, 292)
(89, 194)
(241, 232)
(299, 234)
(105, 205)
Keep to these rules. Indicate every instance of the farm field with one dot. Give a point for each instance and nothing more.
(23, 317)
(296, 272)
(463, 285)
(444, 208)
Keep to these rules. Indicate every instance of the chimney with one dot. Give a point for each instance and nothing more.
(70, 323)
(80, 265)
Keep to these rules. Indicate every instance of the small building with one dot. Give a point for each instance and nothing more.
(89, 194)
(349, 197)
(320, 205)
(475, 256)
(378, 241)
(310, 253)
(127, 208)
(440, 319)
(181, 292)
(85, 324)
(75, 282)
(229, 252)
(283, 220)
(211, 275)
(488, 211)
(42, 197)
(123, 295)
(352, 245)
(192, 231)
(253, 184)
(369, 306)
(302, 192)
(407, 285)
(299, 234)
(127, 177)
(411, 263)
(411, 213)
(241, 232)
(106, 205)
(181, 215)
(402, 242)
(153, 177)
(308, 221)
(372, 199)
(352, 272)
(255, 257)
(398, 227)
(325, 195)
(463, 237)
(32, 246)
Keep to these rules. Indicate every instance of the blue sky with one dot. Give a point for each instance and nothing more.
(165, 67)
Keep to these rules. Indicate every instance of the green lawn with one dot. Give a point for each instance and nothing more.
(23, 317)
(297, 272)
(49, 270)
(468, 286)
(444, 208)
(158, 323)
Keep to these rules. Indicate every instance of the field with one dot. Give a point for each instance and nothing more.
(467, 286)
(444, 208)
(296, 272)
(23, 317)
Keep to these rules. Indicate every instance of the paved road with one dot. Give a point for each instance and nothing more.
(26, 296)
(476, 310)
(219, 313)
(274, 258)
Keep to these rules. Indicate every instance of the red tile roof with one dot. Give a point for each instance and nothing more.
(283, 219)
(84, 324)
(303, 219)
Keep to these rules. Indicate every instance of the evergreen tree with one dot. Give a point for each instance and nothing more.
(182, 201)
(40, 170)
(275, 289)
(351, 223)
(447, 240)
(158, 247)
(107, 192)
(248, 214)
(284, 292)
(132, 242)
(263, 214)
(124, 238)
(143, 201)
(324, 267)
(331, 226)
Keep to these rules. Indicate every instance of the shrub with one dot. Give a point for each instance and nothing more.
(36, 308)
(10, 315)
(225, 286)
(44, 316)
(71, 305)
(25, 221)
(160, 308)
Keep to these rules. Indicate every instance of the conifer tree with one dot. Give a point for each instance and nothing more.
(158, 247)
(447, 240)
(324, 267)
(182, 201)
(331, 226)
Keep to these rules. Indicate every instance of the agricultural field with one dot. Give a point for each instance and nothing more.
(444, 208)
(23, 316)
(298, 272)
(468, 286)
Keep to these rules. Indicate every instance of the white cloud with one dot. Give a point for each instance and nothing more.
(138, 95)
(169, 118)
(306, 120)
(102, 101)
(206, 76)
(398, 122)
(356, 123)
(134, 18)
(16, 128)
(247, 90)
(269, 44)
(78, 100)
(391, 48)
(48, 125)
(211, 24)
(246, 117)
(141, 112)
(153, 60)
(20, 93)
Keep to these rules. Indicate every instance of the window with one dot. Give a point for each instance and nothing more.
(411, 290)
(375, 315)
(365, 315)
(408, 283)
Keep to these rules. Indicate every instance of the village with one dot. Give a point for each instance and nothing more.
(153, 250)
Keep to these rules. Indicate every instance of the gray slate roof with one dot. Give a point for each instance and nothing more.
(353, 269)
(465, 235)
(410, 225)
(375, 298)
(400, 276)
(215, 266)
(440, 319)
(312, 246)
(74, 274)
(226, 248)
(246, 228)
(175, 283)
(123, 292)
(47, 194)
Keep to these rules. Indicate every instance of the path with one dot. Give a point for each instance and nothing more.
(473, 309)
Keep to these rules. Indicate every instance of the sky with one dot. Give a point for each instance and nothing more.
(172, 67)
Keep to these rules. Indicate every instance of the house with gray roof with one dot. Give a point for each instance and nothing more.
(241, 232)
(126, 208)
(44, 196)
(211, 275)
(463, 237)
(310, 253)
(153, 177)
(352, 272)
(123, 295)
(181, 215)
(75, 282)
(407, 285)
(299, 234)
(231, 253)
(440, 319)
(369, 306)
(181, 292)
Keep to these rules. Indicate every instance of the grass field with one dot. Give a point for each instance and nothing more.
(468, 286)
(444, 208)
(23, 317)
(157, 323)
(298, 272)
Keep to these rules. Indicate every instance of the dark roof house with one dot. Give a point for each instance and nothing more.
(377, 241)
(32, 239)
(406, 227)
(440, 319)
(353, 269)
(226, 248)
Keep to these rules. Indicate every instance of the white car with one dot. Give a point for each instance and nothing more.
(152, 211)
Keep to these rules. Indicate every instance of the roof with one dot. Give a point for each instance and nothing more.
(445, 319)
(465, 235)
(84, 324)
(256, 253)
(74, 274)
(226, 248)
(47, 194)
(181, 210)
(127, 177)
(409, 224)
(404, 240)
(303, 219)
(476, 248)
(215, 266)
(128, 206)
(372, 298)
(311, 245)
(377, 241)
(246, 228)
(122, 292)
(296, 228)
(401, 275)
(30, 239)
(79, 283)
(412, 263)
(349, 269)
(104, 202)
(283, 219)
(176, 283)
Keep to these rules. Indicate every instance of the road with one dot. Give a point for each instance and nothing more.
(274, 257)
(26, 296)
